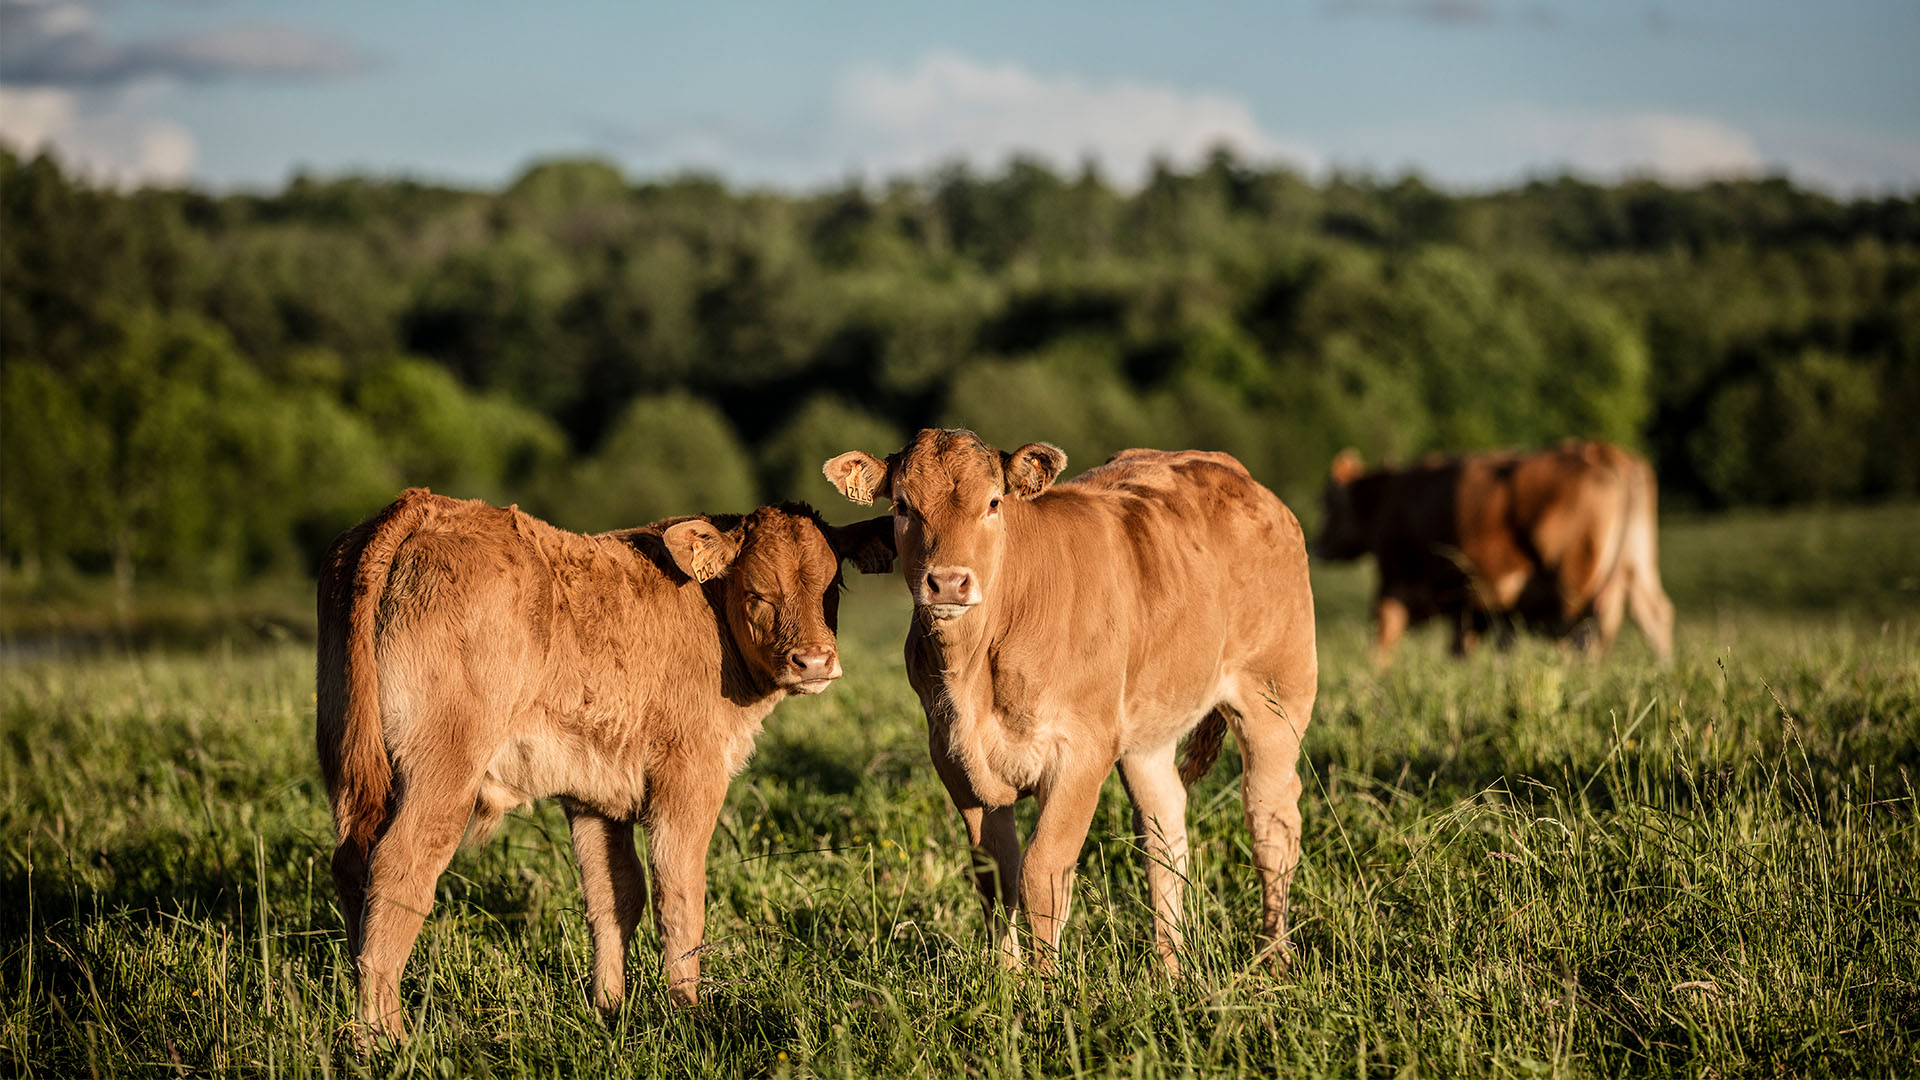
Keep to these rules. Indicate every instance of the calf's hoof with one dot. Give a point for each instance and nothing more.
(366, 1038)
(608, 1005)
(1276, 956)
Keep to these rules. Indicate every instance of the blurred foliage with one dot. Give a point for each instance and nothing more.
(206, 387)
(666, 455)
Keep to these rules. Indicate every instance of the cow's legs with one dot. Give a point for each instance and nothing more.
(350, 881)
(1269, 727)
(1652, 611)
(1160, 820)
(680, 822)
(408, 860)
(997, 867)
(995, 854)
(1389, 623)
(1067, 800)
(1609, 609)
(616, 895)
(1466, 633)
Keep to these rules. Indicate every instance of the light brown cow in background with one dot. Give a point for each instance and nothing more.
(473, 658)
(1060, 629)
(1545, 537)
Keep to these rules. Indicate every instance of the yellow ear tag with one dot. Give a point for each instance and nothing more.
(703, 570)
(859, 487)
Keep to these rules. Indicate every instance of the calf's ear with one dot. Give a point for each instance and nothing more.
(858, 474)
(869, 544)
(1347, 466)
(1032, 467)
(701, 551)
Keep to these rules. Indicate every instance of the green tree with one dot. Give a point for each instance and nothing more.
(52, 491)
(665, 455)
(790, 459)
(438, 434)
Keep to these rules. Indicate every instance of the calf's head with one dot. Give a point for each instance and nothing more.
(952, 496)
(779, 568)
(1343, 528)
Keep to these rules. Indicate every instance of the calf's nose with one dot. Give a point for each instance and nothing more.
(812, 664)
(949, 585)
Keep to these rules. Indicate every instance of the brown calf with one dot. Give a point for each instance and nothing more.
(473, 658)
(1545, 537)
(1061, 629)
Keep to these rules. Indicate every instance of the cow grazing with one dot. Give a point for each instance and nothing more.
(1546, 538)
(473, 658)
(1059, 629)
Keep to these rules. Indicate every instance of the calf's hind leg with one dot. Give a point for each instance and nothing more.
(408, 859)
(616, 894)
(1269, 725)
(350, 881)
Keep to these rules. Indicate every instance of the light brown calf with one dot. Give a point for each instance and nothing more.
(473, 658)
(1060, 629)
(1545, 537)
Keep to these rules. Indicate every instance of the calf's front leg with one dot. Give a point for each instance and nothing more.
(680, 822)
(995, 854)
(1390, 620)
(1160, 820)
(1067, 801)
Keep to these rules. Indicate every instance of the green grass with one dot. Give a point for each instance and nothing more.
(1521, 864)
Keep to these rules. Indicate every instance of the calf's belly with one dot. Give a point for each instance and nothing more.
(539, 766)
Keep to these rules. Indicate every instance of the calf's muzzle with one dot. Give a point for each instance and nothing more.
(946, 592)
(810, 670)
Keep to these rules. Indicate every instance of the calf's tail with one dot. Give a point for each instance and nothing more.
(1203, 747)
(353, 751)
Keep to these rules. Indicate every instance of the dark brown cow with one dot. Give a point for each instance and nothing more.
(1060, 629)
(1546, 537)
(473, 658)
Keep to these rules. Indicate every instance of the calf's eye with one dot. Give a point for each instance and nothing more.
(993, 506)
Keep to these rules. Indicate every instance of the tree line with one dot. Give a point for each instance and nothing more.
(205, 387)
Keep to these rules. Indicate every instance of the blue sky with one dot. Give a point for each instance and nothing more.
(1469, 92)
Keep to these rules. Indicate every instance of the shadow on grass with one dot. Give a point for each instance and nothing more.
(803, 763)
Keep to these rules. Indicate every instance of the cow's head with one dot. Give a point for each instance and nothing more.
(952, 495)
(1343, 533)
(779, 571)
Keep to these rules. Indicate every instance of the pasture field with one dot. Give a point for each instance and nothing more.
(1517, 865)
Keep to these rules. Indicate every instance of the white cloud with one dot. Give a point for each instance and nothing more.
(66, 85)
(1849, 162)
(1670, 146)
(949, 106)
(59, 43)
(107, 135)
(1502, 145)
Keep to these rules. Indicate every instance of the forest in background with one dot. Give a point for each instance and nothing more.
(204, 388)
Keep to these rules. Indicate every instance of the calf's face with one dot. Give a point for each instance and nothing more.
(781, 570)
(952, 495)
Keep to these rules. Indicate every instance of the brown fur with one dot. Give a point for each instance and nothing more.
(473, 658)
(1545, 538)
(1061, 629)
